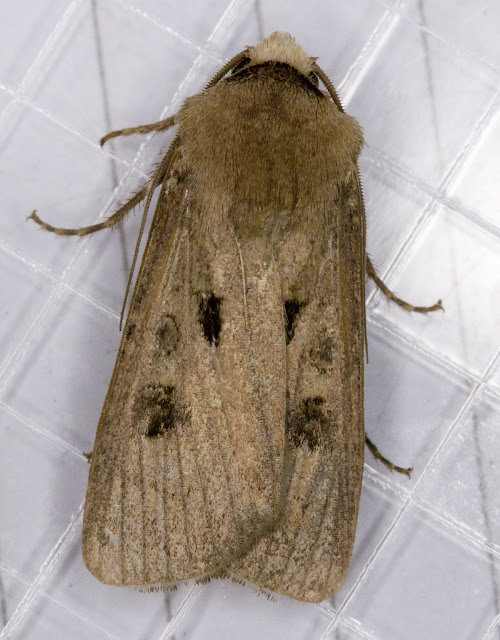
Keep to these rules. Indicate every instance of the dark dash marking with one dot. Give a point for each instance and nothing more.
(292, 311)
(210, 317)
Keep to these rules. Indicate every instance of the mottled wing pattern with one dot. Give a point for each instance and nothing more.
(308, 555)
(186, 468)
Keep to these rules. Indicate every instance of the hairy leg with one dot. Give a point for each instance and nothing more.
(162, 125)
(370, 270)
(107, 224)
(378, 456)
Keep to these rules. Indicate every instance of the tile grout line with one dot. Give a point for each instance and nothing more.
(434, 358)
(360, 67)
(15, 358)
(41, 431)
(430, 209)
(82, 618)
(492, 72)
(462, 532)
(131, 8)
(29, 598)
(182, 610)
(28, 77)
(467, 406)
(492, 629)
(56, 281)
(376, 157)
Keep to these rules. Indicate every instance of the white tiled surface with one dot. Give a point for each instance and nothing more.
(423, 78)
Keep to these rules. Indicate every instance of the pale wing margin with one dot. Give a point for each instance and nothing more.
(308, 555)
(185, 473)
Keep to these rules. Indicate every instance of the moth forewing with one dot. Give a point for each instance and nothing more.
(186, 467)
(308, 554)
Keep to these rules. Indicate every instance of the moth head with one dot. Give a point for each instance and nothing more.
(282, 47)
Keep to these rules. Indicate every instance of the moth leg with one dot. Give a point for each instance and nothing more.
(88, 456)
(370, 270)
(143, 128)
(378, 456)
(107, 224)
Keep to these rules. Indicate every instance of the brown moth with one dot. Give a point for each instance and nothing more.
(231, 438)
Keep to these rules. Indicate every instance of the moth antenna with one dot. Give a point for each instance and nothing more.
(226, 68)
(334, 95)
(328, 84)
(158, 177)
(363, 259)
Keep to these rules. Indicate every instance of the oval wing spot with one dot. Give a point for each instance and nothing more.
(321, 353)
(306, 424)
(210, 318)
(157, 401)
(292, 311)
(168, 334)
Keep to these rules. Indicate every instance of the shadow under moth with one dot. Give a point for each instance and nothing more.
(231, 439)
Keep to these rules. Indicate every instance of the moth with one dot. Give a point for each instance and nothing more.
(232, 436)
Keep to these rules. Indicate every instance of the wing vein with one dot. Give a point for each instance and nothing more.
(304, 335)
(187, 320)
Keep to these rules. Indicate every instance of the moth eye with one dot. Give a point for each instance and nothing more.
(240, 65)
(313, 78)
(292, 311)
(158, 402)
(305, 425)
(210, 317)
(168, 335)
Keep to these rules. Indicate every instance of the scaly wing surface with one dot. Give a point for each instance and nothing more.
(186, 469)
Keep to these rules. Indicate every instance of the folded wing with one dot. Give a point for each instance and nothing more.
(186, 468)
